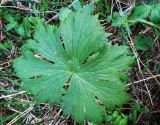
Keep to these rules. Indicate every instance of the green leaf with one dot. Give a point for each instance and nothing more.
(6, 46)
(36, 20)
(64, 13)
(44, 4)
(78, 72)
(47, 43)
(155, 13)
(2, 47)
(117, 20)
(140, 12)
(42, 79)
(21, 30)
(123, 121)
(8, 118)
(89, 7)
(109, 118)
(77, 5)
(24, 28)
(9, 17)
(115, 114)
(143, 43)
(148, 23)
(11, 25)
(118, 119)
(80, 38)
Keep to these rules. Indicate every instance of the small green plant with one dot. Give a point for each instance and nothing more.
(143, 42)
(137, 108)
(22, 28)
(117, 118)
(138, 15)
(73, 65)
(6, 46)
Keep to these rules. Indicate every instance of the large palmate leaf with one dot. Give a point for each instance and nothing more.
(80, 71)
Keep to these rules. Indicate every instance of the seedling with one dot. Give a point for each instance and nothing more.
(73, 65)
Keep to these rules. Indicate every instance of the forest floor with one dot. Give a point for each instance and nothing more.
(143, 38)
